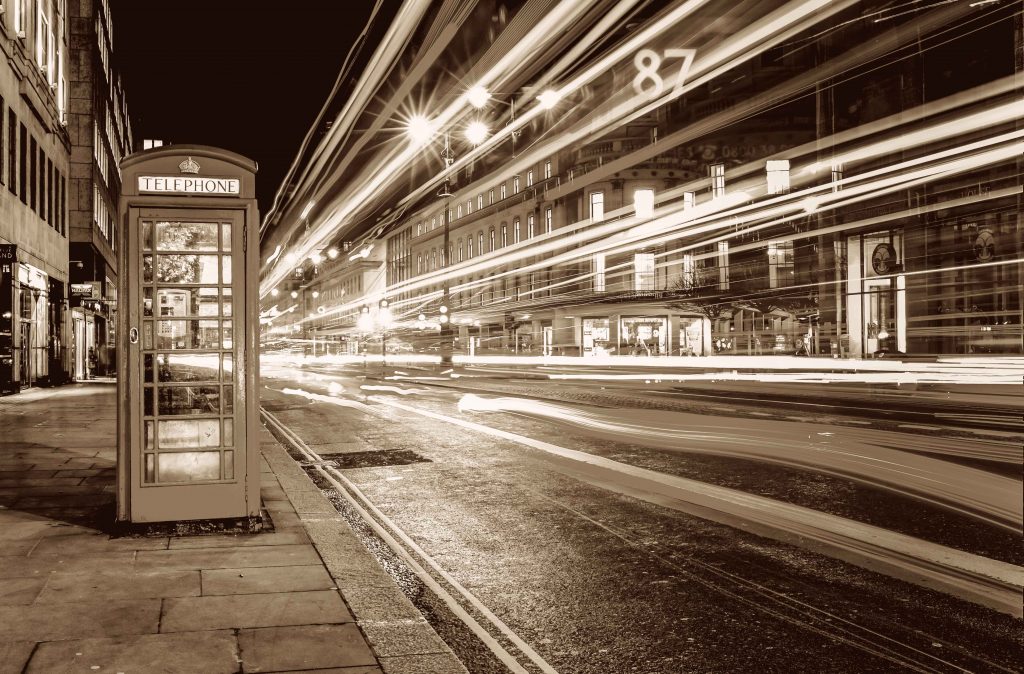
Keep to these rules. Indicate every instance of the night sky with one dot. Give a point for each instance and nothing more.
(249, 76)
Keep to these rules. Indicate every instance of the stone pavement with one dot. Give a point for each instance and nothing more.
(305, 597)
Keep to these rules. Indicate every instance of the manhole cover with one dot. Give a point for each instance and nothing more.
(386, 457)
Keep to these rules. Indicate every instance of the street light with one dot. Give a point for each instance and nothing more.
(476, 132)
(477, 96)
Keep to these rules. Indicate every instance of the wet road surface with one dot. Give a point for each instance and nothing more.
(597, 581)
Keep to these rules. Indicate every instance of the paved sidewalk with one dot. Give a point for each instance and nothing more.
(306, 597)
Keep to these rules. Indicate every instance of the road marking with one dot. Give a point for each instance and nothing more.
(979, 579)
(346, 489)
(920, 427)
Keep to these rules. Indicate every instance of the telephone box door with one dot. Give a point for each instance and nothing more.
(186, 381)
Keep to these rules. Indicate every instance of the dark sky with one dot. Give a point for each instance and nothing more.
(246, 75)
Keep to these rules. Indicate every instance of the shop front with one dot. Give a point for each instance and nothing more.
(643, 335)
(26, 329)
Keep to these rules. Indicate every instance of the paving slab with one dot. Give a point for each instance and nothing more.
(405, 637)
(207, 652)
(34, 565)
(266, 580)
(71, 620)
(253, 610)
(18, 591)
(226, 558)
(305, 647)
(423, 664)
(292, 537)
(379, 604)
(87, 541)
(113, 584)
(14, 655)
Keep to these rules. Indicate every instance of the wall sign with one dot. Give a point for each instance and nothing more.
(883, 258)
(184, 185)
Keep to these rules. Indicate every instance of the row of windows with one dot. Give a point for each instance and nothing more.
(464, 250)
(49, 39)
(29, 173)
(101, 216)
(466, 208)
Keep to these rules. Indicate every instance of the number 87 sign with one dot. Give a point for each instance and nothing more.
(648, 63)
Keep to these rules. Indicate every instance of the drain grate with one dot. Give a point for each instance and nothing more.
(386, 457)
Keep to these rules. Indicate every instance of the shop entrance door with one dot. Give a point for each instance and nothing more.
(184, 348)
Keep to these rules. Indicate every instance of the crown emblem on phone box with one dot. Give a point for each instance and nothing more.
(190, 165)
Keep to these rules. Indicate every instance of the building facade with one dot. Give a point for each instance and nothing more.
(34, 170)
(855, 197)
(101, 136)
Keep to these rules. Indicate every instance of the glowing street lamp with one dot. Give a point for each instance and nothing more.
(295, 295)
(316, 258)
(274, 292)
(549, 99)
(476, 132)
(420, 129)
(333, 253)
(477, 96)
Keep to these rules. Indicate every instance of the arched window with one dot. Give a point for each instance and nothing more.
(469, 246)
(433, 260)
(504, 235)
(529, 226)
(491, 249)
(480, 243)
(460, 250)
(515, 231)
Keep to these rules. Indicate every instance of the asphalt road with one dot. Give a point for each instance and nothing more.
(597, 577)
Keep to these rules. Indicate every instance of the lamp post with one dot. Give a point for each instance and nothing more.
(446, 193)
(384, 317)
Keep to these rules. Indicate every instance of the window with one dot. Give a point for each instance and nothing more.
(837, 175)
(723, 265)
(469, 206)
(504, 235)
(32, 165)
(12, 151)
(778, 176)
(469, 246)
(480, 243)
(2, 138)
(529, 226)
(461, 249)
(23, 165)
(643, 203)
(780, 264)
(49, 191)
(689, 279)
(548, 223)
(515, 231)
(515, 184)
(490, 196)
(42, 35)
(529, 178)
(547, 169)
(20, 10)
(596, 206)
(433, 223)
(419, 263)
(717, 181)
(503, 190)
(63, 205)
(433, 258)
(491, 235)
(479, 202)
(643, 271)
(599, 273)
(459, 211)
(689, 199)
